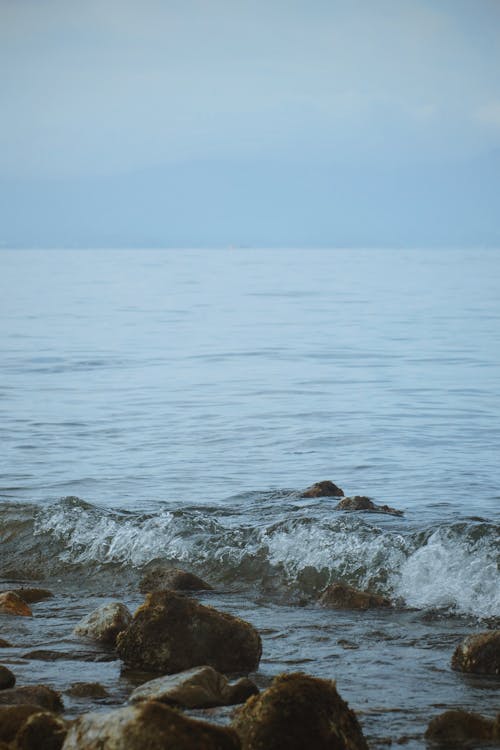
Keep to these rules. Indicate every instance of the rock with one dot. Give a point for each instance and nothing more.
(298, 712)
(12, 719)
(171, 633)
(163, 579)
(12, 604)
(323, 489)
(30, 596)
(49, 655)
(42, 731)
(87, 690)
(360, 502)
(7, 678)
(34, 695)
(4, 643)
(479, 654)
(148, 725)
(340, 596)
(201, 687)
(104, 624)
(456, 727)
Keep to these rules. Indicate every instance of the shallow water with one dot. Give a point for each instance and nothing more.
(172, 404)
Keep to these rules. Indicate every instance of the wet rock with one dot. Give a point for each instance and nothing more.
(7, 678)
(34, 695)
(49, 655)
(42, 731)
(12, 604)
(323, 489)
(360, 502)
(87, 690)
(298, 712)
(171, 633)
(148, 725)
(175, 579)
(30, 596)
(4, 643)
(341, 596)
(104, 624)
(457, 727)
(12, 719)
(201, 687)
(479, 654)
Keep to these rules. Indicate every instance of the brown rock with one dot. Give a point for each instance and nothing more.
(171, 633)
(7, 678)
(457, 727)
(34, 695)
(30, 596)
(298, 712)
(148, 725)
(201, 687)
(12, 719)
(479, 654)
(4, 643)
(104, 624)
(340, 596)
(175, 579)
(87, 690)
(361, 502)
(42, 731)
(323, 489)
(12, 604)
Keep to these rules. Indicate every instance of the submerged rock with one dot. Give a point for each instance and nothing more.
(479, 654)
(104, 623)
(170, 633)
(30, 596)
(361, 502)
(42, 731)
(323, 489)
(298, 712)
(341, 596)
(175, 579)
(456, 727)
(4, 643)
(7, 678)
(12, 604)
(148, 725)
(87, 690)
(34, 695)
(201, 687)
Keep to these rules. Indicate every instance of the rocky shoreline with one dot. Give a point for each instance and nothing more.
(196, 657)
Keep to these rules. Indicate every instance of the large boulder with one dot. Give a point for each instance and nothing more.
(12, 719)
(323, 489)
(361, 502)
(454, 728)
(174, 579)
(42, 731)
(12, 604)
(298, 712)
(7, 678)
(341, 596)
(201, 687)
(479, 654)
(33, 695)
(170, 633)
(148, 725)
(104, 623)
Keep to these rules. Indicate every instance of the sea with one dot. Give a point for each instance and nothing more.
(171, 406)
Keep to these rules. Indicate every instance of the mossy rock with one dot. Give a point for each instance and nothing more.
(298, 712)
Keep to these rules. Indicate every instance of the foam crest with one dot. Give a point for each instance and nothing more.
(456, 569)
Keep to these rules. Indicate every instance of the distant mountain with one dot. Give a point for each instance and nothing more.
(260, 204)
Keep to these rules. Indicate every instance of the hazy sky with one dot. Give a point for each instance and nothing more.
(101, 88)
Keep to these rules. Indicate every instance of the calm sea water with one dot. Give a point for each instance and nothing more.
(173, 404)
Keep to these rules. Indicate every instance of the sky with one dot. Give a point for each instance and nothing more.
(271, 122)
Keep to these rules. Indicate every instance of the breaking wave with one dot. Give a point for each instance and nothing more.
(455, 566)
